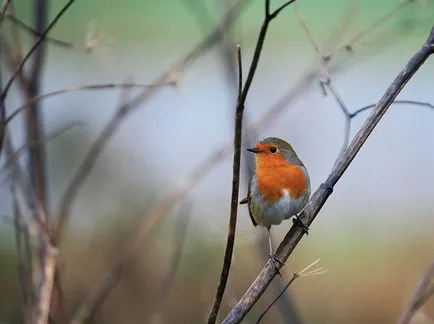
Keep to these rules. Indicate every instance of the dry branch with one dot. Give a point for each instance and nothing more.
(104, 86)
(306, 272)
(424, 290)
(349, 45)
(34, 48)
(14, 20)
(321, 195)
(4, 9)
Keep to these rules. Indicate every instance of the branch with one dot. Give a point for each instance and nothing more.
(306, 272)
(4, 9)
(423, 292)
(321, 195)
(348, 46)
(104, 86)
(34, 48)
(34, 32)
(406, 102)
(24, 256)
(234, 198)
(239, 111)
(12, 157)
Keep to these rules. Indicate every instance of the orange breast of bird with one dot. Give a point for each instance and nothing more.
(274, 175)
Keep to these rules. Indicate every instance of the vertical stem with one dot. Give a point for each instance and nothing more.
(34, 123)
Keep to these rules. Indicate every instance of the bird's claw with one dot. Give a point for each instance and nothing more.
(276, 260)
(297, 221)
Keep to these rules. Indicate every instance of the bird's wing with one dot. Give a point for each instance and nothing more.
(247, 201)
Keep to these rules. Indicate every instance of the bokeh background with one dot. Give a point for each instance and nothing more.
(375, 233)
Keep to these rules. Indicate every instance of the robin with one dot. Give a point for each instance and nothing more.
(279, 188)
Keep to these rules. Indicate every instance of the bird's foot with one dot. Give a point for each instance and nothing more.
(297, 221)
(276, 261)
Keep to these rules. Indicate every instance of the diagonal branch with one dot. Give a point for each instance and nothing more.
(321, 195)
(103, 86)
(34, 48)
(14, 20)
(4, 9)
(423, 292)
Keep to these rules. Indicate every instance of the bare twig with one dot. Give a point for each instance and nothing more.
(104, 86)
(2, 110)
(424, 290)
(4, 9)
(43, 307)
(34, 48)
(348, 46)
(321, 195)
(402, 102)
(14, 20)
(328, 83)
(242, 95)
(306, 272)
(24, 256)
(234, 198)
(19, 176)
(11, 158)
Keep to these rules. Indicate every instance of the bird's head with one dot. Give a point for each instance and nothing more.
(274, 151)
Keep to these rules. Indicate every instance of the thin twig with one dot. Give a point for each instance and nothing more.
(34, 48)
(327, 83)
(302, 273)
(234, 198)
(22, 241)
(242, 95)
(348, 46)
(14, 20)
(402, 102)
(422, 293)
(10, 159)
(104, 86)
(344, 110)
(4, 9)
(2, 109)
(19, 176)
(321, 195)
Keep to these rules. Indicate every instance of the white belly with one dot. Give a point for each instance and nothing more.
(267, 214)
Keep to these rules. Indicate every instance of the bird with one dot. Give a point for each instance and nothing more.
(279, 188)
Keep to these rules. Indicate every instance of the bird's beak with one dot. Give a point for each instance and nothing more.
(255, 150)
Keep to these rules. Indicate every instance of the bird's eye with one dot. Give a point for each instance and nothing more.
(273, 149)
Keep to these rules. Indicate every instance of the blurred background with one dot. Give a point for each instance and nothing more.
(375, 233)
